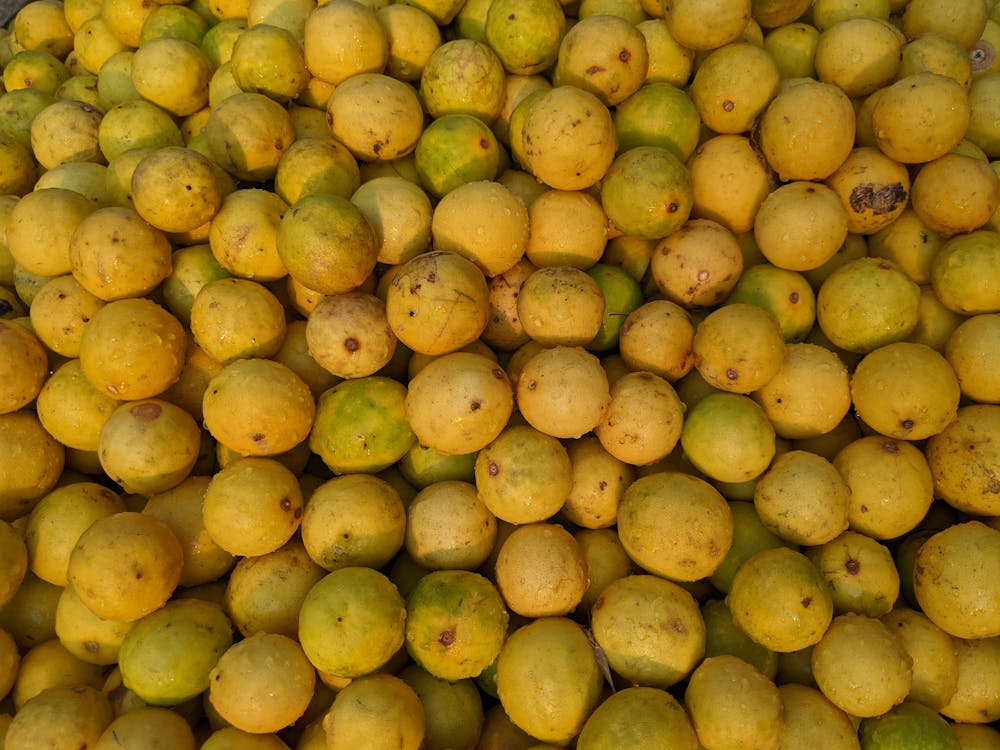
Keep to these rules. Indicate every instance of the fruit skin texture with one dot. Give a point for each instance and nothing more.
(548, 678)
(908, 725)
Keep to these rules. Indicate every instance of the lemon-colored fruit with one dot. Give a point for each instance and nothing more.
(131, 267)
(485, 222)
(332, 40)
(55, 524)
(459, 402)
(279, 418)
(523, 475)
(728, 181)
(961, 260)
(414, 302)
(125, 565)
(730, 702)
(728, 437)
(176, 189)
(969, 352)
(923, 406)
(181, 508)
(861, 572)
(247, 134)
(62, 716)
(873, 189)
(858, 54)
(955, 193)
(954, 582)
(802, 498)
(965, 21)
(567, 139)
(647, 192)
(548, 556)
(658, 337)
(566, 228)
(379, 711)
(132, 349)
(548, 678)
(525, 37)
(265, 592)
(810, 718)
(793, 47)
(13, 562)
(563, 391)
(885, 502)
(47, 665)
(453, 710)
(675, 525)
(400, 213)
(242, 683)
(935, 664)
(40, 226)
(66, 131)
(167, 656)
(456, 623)
(365, 610)
(25, 367)
(149, 727)
(626, 619)
(738, 347)
(367, 98)
(701, 26)
(353, 520)
(245, 521)
(974, 699)
(59, 313)
(561, 306)
(861, 666)
(796, 609)
(698, 264)
(31, 463)
(964, 483)
(148, 445)
(857, 318)
(801, 225)
(604, 54)
(723, 636)
(732, 85)
(920, 117)
(807, 131)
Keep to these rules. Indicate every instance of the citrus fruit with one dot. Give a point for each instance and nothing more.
(954, 582)
(379, 711)
(728, 437)
(456, 623)
(910, 416)
(788, 577)
(675, 525)
(861, 573)
(548, 678)
(548, 556)
(365, 611)
(242, 683)
(649, 629)
(356, 519)
(166, 657)
(730, 701)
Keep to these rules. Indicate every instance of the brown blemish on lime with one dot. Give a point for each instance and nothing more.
(146, 412)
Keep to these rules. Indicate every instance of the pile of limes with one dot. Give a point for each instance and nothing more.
(481, 374)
